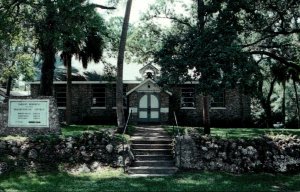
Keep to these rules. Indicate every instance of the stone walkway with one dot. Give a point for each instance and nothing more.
(152, 148)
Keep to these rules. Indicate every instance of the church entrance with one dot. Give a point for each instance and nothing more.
(149, 108)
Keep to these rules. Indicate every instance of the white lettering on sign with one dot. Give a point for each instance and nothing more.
(28, 113)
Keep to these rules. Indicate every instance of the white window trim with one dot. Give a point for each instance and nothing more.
(187, 108)
(98, 107)
(194, 98)
(105, 98)
(218, 108)
(61, 107)
(116, 107)
(164, 109)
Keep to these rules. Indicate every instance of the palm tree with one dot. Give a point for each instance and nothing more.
(284, 74)
(89, 48)
(55, 22)
(119, 84)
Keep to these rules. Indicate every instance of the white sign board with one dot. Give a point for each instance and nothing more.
(28, 113)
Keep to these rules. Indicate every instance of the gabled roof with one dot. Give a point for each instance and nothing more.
(145, 82)
(147, 67)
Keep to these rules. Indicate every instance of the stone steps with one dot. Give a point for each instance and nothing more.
(152, 148)
(151, 141)
(154, 163)
(149, 138)
(152, 151)
(145, 134)
(150, 131)
(153, 157)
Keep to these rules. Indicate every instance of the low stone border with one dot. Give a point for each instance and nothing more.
(90, 149)
(265, 154)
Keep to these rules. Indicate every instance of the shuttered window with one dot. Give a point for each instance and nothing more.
(99, 96)
(218, 99)
(187, 97)
(61, 95)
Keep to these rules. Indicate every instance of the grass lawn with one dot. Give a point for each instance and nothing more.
(115, 180)
(251, 133)
(72, 130)
(235, 133)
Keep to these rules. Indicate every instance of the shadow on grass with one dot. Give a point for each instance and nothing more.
(250, 132)
(233, 133)
(204, 181)
(74, 130)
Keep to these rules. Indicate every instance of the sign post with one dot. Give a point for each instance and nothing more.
(28, 113)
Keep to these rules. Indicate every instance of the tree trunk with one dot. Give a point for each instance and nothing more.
(266, 103)
(297, 102)
(206, 118)
(46, 44)
(241, 101)
(8, 86)
(46, 88)
(283, 103)
(201, 25)
(200, 15)
(68, 59)
(119, 84)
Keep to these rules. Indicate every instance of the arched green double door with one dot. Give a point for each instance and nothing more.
(149, 108)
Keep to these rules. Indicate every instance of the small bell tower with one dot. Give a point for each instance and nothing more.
(149, 72)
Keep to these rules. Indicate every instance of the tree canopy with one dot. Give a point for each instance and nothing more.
(220, 43)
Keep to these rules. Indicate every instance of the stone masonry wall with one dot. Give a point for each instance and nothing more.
(265, 154)
(82, 109)
(92, 149)
(164, 104)
(236, 112)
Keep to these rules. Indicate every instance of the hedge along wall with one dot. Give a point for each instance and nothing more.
(92, 149)
(277, 154)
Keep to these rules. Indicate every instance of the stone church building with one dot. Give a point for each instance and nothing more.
(93, 102)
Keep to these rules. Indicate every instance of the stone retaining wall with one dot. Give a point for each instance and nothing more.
(91, 149)
(268, 154)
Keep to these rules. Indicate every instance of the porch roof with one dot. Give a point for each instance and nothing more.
(145, 82)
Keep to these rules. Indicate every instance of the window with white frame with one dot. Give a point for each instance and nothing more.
(218, 99)
(99, 96)
(188, 97)
(61, 95)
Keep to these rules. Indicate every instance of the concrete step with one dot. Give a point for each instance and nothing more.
(151, 141)
(150, 131)
(153, 157)
(152, 151)
(152, 146)
(150, 128)
(150, 134)
(151, 138)
(154, 163)
(152, 170)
